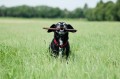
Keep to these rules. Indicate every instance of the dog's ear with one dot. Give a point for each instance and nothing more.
(69, 26)
(52, 26)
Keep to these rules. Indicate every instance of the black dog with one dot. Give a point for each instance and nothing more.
(60, 44)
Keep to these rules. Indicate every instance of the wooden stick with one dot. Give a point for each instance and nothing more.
(51, 28)
(71, 30)
(54, 29)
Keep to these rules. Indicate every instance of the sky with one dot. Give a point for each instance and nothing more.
(68, 4)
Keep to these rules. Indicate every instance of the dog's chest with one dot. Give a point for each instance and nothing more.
(60, 49)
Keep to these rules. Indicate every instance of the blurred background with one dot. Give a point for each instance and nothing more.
(92, 10)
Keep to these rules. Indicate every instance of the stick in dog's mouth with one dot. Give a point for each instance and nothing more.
(55, 29)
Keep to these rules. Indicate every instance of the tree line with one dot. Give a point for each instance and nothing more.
(108, 11)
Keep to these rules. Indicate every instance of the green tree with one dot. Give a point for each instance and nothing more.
(85, 10)
(2, 11)
(117, 10)
(99, 11)
(78, 13)
(109, 11)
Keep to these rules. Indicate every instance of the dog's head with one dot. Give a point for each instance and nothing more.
(61, 28)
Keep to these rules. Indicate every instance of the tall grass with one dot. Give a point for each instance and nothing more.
(24, 50)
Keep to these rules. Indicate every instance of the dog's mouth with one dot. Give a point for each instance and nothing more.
(61, 31)
(62, 28)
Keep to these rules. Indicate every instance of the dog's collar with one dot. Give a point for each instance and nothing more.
(61, 46)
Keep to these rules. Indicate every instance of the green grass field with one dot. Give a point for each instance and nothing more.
(24, 45)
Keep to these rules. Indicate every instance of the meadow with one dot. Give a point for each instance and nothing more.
(24, 50)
